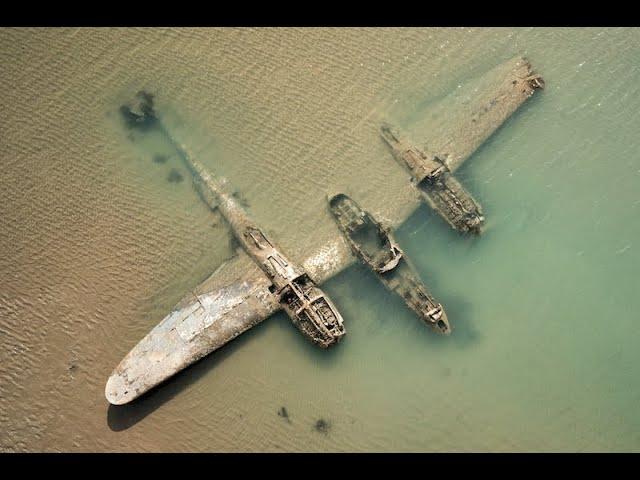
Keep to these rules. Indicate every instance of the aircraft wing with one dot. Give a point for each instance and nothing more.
(233, 299)
(236, 296)
(481, 106)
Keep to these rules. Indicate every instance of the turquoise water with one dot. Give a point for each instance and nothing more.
(543, 355)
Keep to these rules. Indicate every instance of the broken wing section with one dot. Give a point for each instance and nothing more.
(233, 299)
(469, 116)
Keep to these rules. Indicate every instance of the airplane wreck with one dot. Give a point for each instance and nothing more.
(261, 280)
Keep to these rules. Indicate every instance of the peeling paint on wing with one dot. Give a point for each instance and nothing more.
(192, 324)
(186, 316)
(200, 315)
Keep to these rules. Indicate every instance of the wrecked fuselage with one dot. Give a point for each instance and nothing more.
(374, 245)
(436, 184)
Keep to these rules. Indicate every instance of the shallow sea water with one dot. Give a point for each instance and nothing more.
(97, 245)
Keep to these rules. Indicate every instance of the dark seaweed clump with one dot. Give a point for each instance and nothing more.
(175, 176)
(241, 199)
(322, 426)
(141, 115)
(234, 244)
(284, 414)
(158, 158)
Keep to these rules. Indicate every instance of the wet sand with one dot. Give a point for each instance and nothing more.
(97, 244)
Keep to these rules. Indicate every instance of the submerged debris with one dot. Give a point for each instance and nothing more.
(322, 426)
(175, 176)
(140, 115)
(234, 245)
(284, 414)
(159, 158)
(241, 199)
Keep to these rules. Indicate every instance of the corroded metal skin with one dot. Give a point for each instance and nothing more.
(376, 247)
(307, 305)
(438, 187)
(236, 297)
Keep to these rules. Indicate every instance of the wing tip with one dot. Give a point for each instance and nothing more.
(117, 392)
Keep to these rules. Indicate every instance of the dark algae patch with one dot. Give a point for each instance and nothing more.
(322, 426)
(174, 176)
(241, 199)
(282, 412)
